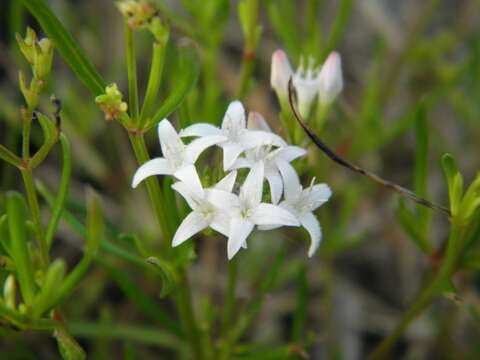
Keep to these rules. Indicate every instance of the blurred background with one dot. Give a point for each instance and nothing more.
(405, 63)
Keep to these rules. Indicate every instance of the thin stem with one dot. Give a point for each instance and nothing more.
(339, 160)
(229, 306)
(8, 156)
(426, 295)
(158, 59)
(35, 212)
(248, 63)
(132, 73)
(27, 126)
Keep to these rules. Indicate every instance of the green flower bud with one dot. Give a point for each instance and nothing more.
(43, 58)
(160, 31)
(111, 102)
(138, 14)
(10, 291)
(27, 45)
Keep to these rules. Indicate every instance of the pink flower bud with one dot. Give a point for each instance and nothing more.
(281, 72)
(330, 79)
(256, 121)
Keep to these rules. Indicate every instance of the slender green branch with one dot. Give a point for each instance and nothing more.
(132, 73)
(229, 306)
(158, 59)
(35, 212)
(9, 157)
(62, 192)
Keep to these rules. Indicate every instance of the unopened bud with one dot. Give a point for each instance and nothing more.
(27, 45)
(111, 102)
(281, 72)
(43, 58)
(330, 79)
(256, 121)
(10, 291)
(138, 14)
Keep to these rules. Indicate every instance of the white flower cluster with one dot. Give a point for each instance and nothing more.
(235, 214)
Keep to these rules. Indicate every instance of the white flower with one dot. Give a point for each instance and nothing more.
(204, 214)
(309, 81)
(246, 210)
(270, 160)
(178, 158)
(256, 121)
(303, 202)
(236, 137)
(330, 79)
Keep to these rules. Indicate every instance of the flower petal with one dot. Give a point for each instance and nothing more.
(200, 129)
(157, 166)
(226, 184)
(221, 223)
(252, 188)
(240, 228)
(276, 185)
(268, 214)
(256, 121)
(192, 224)
(330, 79)
(197, 146)
(223, 200)
(290, 153)
(253, 138)
(188, 175)
(291, 183)
(231, 152)
(186, 192)
(234, 118)
(170, 142)
(242, 163)
(317, 195)
(311, 224)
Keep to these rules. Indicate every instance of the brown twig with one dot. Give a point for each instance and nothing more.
(339, 160)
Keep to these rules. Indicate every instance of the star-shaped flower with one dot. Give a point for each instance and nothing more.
(237, 137)
(204, 214)
(247, 210)
(178, 158)
(303, 202)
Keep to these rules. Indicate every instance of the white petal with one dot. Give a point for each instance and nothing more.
(226, 184)
(231, 152)
(239, 231)
(223, 199)
(201, 129)
(330, 79)
(192, 224)
(158, 166)
(268, 214)
(188, 175)
(276, 185)
(256, 121)
(241, 163)
(310, 222)
(291, 183)
(186, 192)
(221, 223)
(307, 90)
(252, 188)
(281, 72)
(268, 227)
(234, 118)
(318, 195)
(253, 138)
(170, 142)
(197, 146)
(290, 153)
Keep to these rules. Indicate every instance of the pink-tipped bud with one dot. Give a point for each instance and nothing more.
(256, 121)
(330, 79)
(281, 72)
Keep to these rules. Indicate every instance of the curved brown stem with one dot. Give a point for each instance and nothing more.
(341, 161)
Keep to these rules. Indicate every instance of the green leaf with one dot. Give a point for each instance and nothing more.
(95, 224)
(66, 45)
(17, 216)
(67, 346)
(454, 181)
(50, 288)
(4, 236)
(187, 77)
(409, 222)
(167, 273)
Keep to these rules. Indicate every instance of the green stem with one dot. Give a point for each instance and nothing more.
(185, 308)
(62, 192)
(229, 306)
(27, 126)
(35, 212)
(158, 59)
(132, 73)
(425, 297)
(248, 63)
(8, 156)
